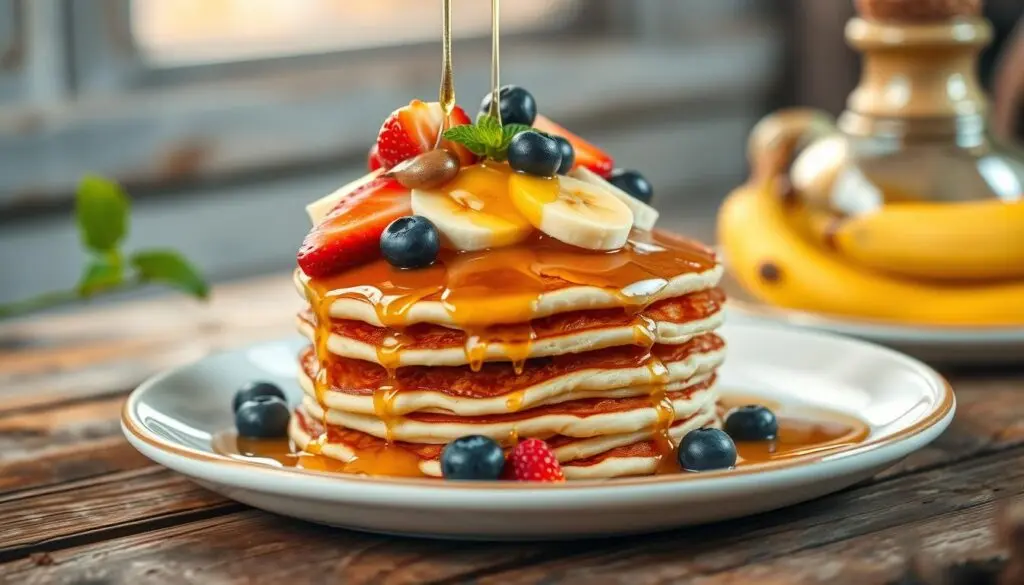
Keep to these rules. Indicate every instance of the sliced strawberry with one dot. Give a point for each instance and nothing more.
(350, 234)
(373, 161)
(533, 460)
(413, 130)
(587, 155)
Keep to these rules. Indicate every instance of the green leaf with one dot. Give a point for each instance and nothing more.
(489, 129)
(468, 137)
(170, 268)
(101, 208)
(509, 132)
(103, 271)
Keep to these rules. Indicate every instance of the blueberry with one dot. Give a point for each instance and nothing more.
(568, 154)
(254, 389)
(263, 417)
(517, 105)
(751, 423)
(535, 154)
(706, 450)
(633, 183)
(410, 242)
(472, 457)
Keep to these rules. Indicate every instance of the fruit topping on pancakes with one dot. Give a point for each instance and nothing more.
(533, 460)
(350, 234)
(472, 457)
(479, 185)
(413, 130)
(410, 242)
(572, 211)
(474, 212)
(588, 155)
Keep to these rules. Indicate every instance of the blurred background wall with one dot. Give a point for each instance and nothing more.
(225, 117)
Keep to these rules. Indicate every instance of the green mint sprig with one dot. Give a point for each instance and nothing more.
(102, 214)
(488, 137)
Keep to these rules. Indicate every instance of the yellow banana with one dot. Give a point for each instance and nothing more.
(767, 254)
(945, 241)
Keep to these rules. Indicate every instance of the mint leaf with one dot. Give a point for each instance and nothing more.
(490, 130)
(103, 271)
(509, 132)
(467, 136)
(487, 137)
(171, 268)
(101, 209)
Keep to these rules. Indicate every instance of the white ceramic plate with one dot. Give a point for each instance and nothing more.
(937, 345)
(171, 417)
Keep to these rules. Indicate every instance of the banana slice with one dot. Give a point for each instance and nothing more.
(319, 209)
(572, 211)
(644, 216)
(474, 212)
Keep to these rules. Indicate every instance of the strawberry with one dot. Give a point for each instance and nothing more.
(350, 234)
(413, 130)
(373, 161)
(533, 460)
(587, 155)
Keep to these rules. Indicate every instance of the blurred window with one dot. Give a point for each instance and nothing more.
(157, 92)
(203, 31)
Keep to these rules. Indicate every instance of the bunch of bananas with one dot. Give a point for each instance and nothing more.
(913, 262)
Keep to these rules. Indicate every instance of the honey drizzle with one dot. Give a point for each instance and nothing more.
(495, 109)
(504, 285)
(447, 93)
(321, 306)
(384, 396)
(665, 411)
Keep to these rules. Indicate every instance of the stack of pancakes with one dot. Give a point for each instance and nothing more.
(610, 382)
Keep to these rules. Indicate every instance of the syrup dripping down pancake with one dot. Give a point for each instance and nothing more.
(671, 321)
(353, 385)
(578, 418)
(536, 279)
(634, 453)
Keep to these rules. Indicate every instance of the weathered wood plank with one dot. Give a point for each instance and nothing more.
(87, 459)
(63, 443)
(251, 546)
(113, 348)
(236, 547)
(881, 557)
(950, 493)
(84, 511)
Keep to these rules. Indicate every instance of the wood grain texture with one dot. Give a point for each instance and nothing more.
(867, 515)
(252, 546)
(57, 517)
(232, 548)
(66, 442)
(112, 349)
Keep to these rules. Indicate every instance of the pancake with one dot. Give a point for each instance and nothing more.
(578, 418)
(671, 321)
(532, 280)
(633, 453)
(610, 357)
(355, 386)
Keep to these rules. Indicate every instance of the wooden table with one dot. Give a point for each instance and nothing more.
(79, 505)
